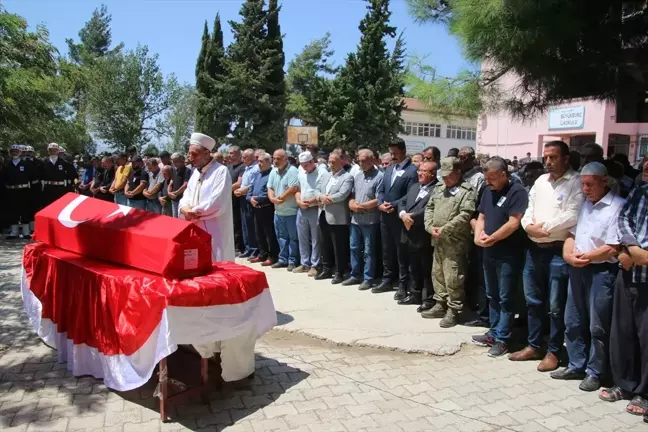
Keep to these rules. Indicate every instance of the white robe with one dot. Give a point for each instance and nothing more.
(210, 193)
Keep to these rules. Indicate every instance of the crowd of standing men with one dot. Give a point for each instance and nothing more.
(448, 235)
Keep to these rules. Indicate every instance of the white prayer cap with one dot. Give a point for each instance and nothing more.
(202, 140)
(305, 157)
(594, 169)
(51, 146)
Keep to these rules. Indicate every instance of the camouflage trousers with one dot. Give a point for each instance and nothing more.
(449, 267)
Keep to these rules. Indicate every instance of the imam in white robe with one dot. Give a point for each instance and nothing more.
(210, 193)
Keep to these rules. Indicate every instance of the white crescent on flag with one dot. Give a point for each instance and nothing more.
(65, 217)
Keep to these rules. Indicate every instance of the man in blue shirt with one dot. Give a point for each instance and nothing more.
(263, 209)
(250, 172)
(283, 184)
(498, 232)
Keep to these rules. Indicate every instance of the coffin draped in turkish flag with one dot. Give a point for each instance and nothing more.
(166, 246)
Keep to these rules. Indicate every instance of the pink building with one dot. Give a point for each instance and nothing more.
(576, 123)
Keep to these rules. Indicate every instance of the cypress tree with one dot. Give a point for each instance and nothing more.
(370, 85)
(214, 70)
(245, 83)
(273, 126)
(202, 86)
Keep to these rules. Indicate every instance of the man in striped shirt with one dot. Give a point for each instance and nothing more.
(629, 336)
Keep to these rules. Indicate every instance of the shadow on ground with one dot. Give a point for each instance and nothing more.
(283, 319)
(34, 387)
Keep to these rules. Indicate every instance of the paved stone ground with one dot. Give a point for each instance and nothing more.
(348, 316)
(301, 384)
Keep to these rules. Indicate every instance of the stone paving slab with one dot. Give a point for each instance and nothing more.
(301, 384)
(347, 316)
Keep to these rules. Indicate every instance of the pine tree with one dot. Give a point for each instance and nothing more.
(214, 70)
(272, 128)
(202, 87)
(245, 83)
(370, 85)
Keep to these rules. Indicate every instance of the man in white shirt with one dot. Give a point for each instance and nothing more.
(554, 203)
(591, 251)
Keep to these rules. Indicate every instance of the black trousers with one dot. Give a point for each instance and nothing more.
(51, 193)
(335, 249)
(629, 335)
(265, 233)
(20, 208)
(394, 251)
(238, 227)
(476, 298)
(420, 264)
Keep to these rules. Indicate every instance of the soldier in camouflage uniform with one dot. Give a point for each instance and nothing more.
(447, 219)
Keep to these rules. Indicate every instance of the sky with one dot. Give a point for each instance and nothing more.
(173, 28)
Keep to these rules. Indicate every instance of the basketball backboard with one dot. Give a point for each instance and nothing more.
(302, 135)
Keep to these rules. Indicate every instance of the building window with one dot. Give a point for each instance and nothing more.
(461, 133)
(643, 146)
(421, 129)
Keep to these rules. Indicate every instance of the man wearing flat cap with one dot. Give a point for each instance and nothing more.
(591, 252)
(447, 219)
(207, 202)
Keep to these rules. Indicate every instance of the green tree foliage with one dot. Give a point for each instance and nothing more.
(444, 96)
(255, 88)
(218, 119)
(559, 50)
(202, 86)
(95, 37)
(367, 97)
(129, 98)
(308, 78)
(33, 94)
(273, 124)
(180, 118)
(151, 149)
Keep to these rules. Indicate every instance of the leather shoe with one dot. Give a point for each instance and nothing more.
(424, 307)
(351, 281)
(549, 363)
(479, 322)
(268, 263)
(590, 384)
(279, 265)
(526, 354)
(256, 260)
(382, 288)
(338, 279)
(365, 285)
(245, 255)
(401, 293)
(326, 274)
(411, 299)
(567, 374)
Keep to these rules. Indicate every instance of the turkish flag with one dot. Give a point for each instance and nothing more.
(166, 246)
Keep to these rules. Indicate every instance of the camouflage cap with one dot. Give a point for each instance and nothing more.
(448, 165)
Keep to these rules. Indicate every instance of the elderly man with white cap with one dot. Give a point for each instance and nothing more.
(307, 226)
(207, 202)
(591, 251)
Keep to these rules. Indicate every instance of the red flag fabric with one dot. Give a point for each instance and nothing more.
(166, 246)
(115, 309)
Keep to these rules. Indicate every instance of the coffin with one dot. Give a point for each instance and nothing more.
(172, 248)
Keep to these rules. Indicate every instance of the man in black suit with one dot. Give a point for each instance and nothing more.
(411, 210)
(397, 180)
